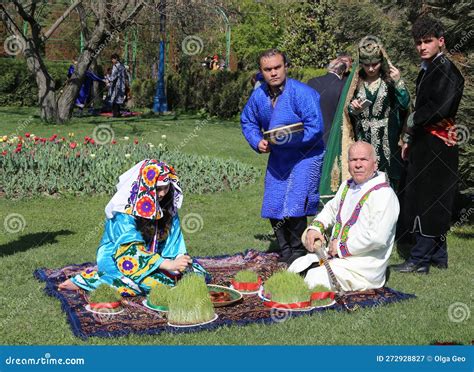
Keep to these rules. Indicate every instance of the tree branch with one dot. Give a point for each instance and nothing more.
(61, 19)
(34, 3)
(10, 23)
(83, 19)
(26, 16)
(132, 15)
(124, 7)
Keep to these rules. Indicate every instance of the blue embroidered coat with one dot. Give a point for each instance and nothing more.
(295, 164)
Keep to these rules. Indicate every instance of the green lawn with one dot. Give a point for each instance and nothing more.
(58, 232)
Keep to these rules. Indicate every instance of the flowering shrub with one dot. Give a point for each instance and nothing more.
(32, 165)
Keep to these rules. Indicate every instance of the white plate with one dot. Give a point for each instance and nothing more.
(246, 293)
(293, 310)
(88, 308)
(260, 294)
(323, 306)
(145, 303)
(192, 325)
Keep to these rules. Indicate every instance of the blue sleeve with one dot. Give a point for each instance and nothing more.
(174, 244)
(307, 107)
(70, 71)
(93, 76)
(250, 126)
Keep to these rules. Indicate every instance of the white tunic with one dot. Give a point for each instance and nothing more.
(363, 263)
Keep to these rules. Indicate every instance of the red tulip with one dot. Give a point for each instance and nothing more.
(27, 135)
(18, 149)
(114, 142)
(4, 152)
(91, 141)
(135, 141)
(73, 145)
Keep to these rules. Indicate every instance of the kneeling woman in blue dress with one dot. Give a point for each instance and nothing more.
(142, 245)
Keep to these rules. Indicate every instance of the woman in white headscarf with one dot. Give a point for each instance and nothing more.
(142, 245)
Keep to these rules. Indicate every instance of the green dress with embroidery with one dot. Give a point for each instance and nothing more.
(380, 124)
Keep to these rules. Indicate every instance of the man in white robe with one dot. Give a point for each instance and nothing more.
(363, 230)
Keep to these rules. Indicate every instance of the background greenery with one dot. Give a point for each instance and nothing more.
(61, 231)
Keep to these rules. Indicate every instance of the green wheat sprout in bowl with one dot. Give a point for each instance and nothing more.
(324, 301)
(246, 276)
(286, 287)
(189, 302)
(159, 295)
(104, 293)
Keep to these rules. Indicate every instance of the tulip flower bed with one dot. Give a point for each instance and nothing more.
(57, 165)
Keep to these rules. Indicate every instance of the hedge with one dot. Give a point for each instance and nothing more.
(221, 94)
(17, 84)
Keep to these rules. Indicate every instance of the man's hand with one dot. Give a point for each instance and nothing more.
(263, 146)
(333, 248)
(405, 151)
(313, 237)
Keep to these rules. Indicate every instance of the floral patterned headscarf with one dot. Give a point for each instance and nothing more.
(136, 191)
(143, 201)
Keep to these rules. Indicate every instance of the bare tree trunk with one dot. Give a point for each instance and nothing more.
(66, 102)
(73, 85)
(48, 106)
(45, 83)
(111, 17)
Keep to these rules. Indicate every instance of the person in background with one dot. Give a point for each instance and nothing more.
(329, 87)
(431, 150)
(117, 85)
(376, 110)
(295, 159)
(84, 93)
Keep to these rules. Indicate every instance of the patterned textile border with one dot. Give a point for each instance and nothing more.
(138, 319)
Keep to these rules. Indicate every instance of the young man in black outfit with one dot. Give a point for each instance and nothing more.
(430, 147)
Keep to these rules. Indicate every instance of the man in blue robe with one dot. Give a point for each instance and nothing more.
(89, 77)
(295, 160)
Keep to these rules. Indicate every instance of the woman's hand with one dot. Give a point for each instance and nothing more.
(394, 73)
(405, 151)
(356, 104)
(180, 263)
